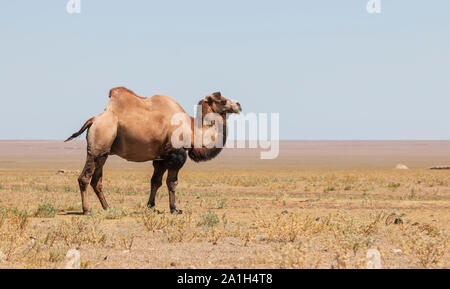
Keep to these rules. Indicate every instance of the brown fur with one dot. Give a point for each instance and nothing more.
(205, 154)
(139, 129)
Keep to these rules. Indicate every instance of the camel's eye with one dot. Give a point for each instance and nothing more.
(223, 102)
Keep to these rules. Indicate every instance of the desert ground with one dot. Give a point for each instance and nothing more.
(320, 204)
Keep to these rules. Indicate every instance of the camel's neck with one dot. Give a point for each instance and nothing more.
(204, 153)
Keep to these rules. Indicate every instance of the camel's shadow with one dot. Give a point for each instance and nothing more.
(70, 213)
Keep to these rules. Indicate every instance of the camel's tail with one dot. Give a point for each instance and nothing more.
(86, 125)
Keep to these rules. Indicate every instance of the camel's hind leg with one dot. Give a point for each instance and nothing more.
(83, 181)
(97, 178)
(93, 171)
(100, 137)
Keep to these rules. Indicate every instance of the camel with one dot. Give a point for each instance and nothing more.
(139, 129)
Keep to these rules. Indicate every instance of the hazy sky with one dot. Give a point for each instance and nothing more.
(332, 70)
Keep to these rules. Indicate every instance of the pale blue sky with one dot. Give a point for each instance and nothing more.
(329, 68)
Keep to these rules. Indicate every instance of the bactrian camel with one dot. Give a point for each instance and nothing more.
(139, 129)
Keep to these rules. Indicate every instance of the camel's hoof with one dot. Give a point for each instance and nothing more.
(176, 211)
(86, 212)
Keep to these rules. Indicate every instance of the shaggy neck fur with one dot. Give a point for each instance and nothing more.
(205, 154)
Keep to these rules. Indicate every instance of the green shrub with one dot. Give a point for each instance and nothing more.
(45, 210)
(209, 219)
(114, 213)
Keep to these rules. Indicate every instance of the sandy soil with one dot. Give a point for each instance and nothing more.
(321, 204)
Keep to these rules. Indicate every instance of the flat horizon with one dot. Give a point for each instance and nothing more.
(293, 155)
(435, 139)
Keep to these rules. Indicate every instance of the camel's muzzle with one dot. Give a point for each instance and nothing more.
(236, 106)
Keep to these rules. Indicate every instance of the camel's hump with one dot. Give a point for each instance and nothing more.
(123, 91)
(116, 91)
(123, 99)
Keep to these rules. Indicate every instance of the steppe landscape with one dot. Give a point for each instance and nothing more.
(320, 204)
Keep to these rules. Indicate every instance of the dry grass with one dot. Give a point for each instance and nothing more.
(236, 218)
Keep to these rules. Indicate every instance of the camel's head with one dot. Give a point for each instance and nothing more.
(222, 105)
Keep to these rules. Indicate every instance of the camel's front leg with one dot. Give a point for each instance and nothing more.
(156, 182)
(172, 181)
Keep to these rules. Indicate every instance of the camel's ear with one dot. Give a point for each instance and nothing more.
(209, 99)
(217, 94)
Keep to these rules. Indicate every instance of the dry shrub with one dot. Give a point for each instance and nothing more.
(339, 238)
(177, 228)
(280, 228)
(290, 256)
(429, 251)
(77, 232)
(112, 213)
(293, 226)
(39, 255)
(12, 231)
(153, 220)
(216, 234)
(181, 228)
(427, 244)
(127, 242)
